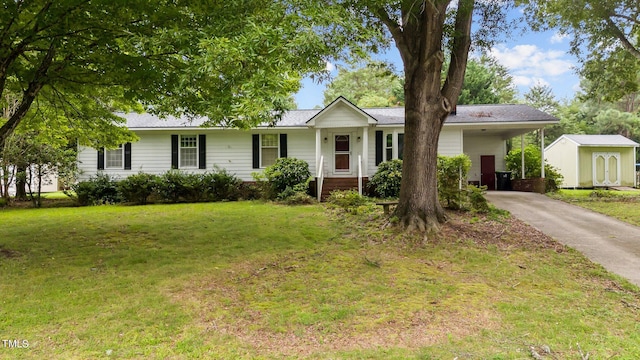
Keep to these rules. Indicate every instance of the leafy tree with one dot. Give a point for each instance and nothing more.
(487, 82)
(35, 161)
(369, 86)
(613, 121)
(234, 62)
(541, 97)
(606, 35)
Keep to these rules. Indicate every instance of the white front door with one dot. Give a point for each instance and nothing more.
(606, 169)
(342, 154)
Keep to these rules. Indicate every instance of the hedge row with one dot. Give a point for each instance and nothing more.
(172, 186)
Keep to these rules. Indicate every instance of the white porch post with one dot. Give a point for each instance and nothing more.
(365, 151)
(318, 150)
(542, 152)
(522, 154)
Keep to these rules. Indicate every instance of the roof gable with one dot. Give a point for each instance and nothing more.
(341, 113)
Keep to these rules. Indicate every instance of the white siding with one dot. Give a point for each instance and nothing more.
(449, 144)
(227, 149)
(475, 146)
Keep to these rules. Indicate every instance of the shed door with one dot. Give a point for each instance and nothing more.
(488, 171)
(606, 169)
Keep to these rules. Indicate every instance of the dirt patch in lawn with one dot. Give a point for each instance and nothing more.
(8, 253)
(504, 232)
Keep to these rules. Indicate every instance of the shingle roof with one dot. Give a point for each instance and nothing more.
(466, 114)
(601, 140)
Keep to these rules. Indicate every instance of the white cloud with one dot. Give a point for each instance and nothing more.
(558, 38)
(330, 67)
(529, 64)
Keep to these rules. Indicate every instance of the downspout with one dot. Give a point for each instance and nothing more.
(522, 154)
(542, 152)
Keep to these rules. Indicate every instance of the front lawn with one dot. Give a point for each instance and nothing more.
(623, 205)
(252, 280)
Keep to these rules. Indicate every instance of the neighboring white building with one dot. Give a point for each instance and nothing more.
(587, 161)
(333, 139)
(49, 183)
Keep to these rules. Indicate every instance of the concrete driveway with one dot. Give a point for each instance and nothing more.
(604, 240)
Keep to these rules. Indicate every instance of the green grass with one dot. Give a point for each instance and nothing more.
(623, 205)
(252, 280)
(55, 195)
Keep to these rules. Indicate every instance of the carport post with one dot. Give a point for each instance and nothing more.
(542, 152)
(522, 154)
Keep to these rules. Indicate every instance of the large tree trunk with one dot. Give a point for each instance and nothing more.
(428, 102)
(419, 207)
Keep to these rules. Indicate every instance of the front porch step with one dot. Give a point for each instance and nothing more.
(331, 184)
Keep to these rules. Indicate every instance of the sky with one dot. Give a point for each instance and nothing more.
(531, 58)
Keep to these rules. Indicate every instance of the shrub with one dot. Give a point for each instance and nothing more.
(386, 181)
(477, 200)
(101, 189)
(532, 168)
(451, 171)
(173, 186)
(220, 185)
(299, 198)
(346, 199)
(286, 172)
(194, 187)
(137, 188)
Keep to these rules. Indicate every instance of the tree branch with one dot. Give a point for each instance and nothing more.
(394, 28)
(622, 37)
(28, 96)
(460, 51)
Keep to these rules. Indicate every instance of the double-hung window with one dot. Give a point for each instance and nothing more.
(389, 146)
(268, 149)
(188, 151)
(114, 158)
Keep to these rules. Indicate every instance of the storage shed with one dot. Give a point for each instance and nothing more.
(588, 161)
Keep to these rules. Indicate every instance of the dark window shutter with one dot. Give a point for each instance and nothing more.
(256, 151)
(379, 147)
(101, 159)
(283, 145)
(127, 156)
(400, 145)
(174, 151)
(202, 151)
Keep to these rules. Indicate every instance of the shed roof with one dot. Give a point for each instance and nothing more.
(601, 140)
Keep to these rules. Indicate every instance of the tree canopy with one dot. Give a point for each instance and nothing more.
(373, 85)
(487, 82)
(606, 36)
(235, 62)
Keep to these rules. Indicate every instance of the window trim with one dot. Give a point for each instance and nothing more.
(106, 158)
(395, 145)
(277, 147)
(197, 149)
